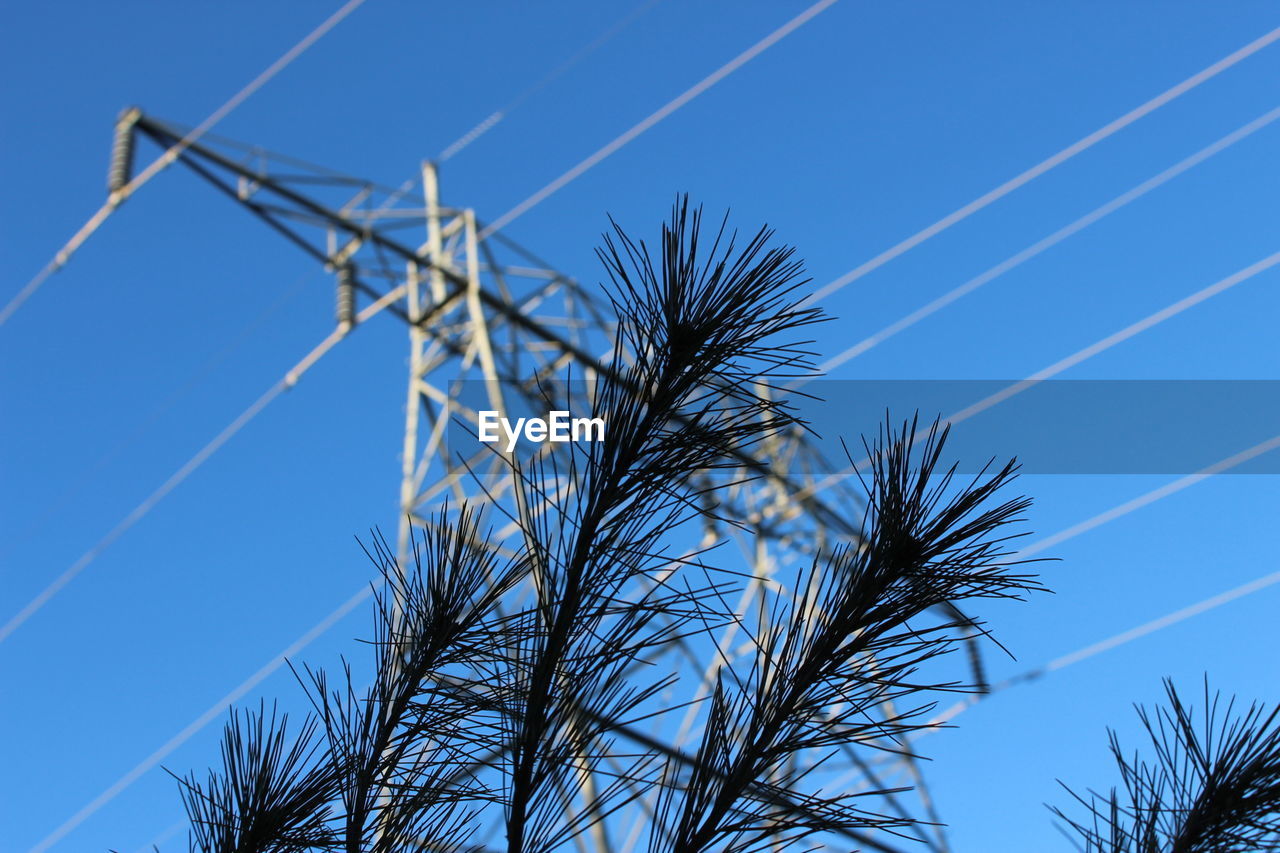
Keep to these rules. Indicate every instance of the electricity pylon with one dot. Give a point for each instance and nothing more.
(489, 322)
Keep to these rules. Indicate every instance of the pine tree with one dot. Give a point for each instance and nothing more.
(503, 675)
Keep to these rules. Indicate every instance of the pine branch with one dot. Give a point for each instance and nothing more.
(270, 794)
(1212, 785)
(700, 332)
(379, 777)
(474, 705)
(842, 647)
(396, 743)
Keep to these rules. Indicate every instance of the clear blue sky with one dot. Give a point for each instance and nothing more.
(854, 132)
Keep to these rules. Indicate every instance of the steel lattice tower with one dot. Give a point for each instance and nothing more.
(489, 320)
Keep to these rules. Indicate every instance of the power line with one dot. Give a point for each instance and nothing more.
(1016, 388)
(1043, 166)
(546, 80)
(1078, 357)
(193, 381)
(1159, 624)
(186, 470)
(198, 376)
(1152, 496)
(1048, 242)
(172, 153)
(288, 381)
(1100, 346)
(938, 722)
(1150, 627)
(1062, 662)
(456, 147)
(168, 157)
(670, 107)
(141, 510)
(165, 835)
(212, 712)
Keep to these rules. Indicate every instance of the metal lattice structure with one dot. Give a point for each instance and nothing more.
(489, 321)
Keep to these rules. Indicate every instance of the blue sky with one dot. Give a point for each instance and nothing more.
(851, 134)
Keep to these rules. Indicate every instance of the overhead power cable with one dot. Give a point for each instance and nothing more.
(171, 831)
(1043, 166)
(1048, 242)
(194, 380)
(1076, 358)
(168, 157)
(1152, 496)
(214, 711)
(969, 286)
(1152, 626)
(1147, 628)
(667, 109)
(1150, 321)
(546, 80)
(139, 512)
(456, 147)
(942, 720)
(196, 377)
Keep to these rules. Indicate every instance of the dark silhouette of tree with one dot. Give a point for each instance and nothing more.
(1212, 784)
(845, 645)
(504, 675)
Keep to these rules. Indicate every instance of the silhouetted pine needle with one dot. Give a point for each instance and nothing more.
(830, 656)
(489, 708)
(1212, 784)
(698, 331)
(269, 795)
(367, 773)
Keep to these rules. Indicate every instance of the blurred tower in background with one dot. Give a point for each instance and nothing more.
(491, 325)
